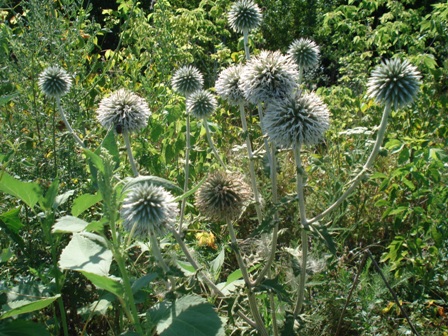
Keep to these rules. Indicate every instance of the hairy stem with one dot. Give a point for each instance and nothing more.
(127, 142)
(186, 170)
(67, 124)
(246, 43)
(212, 145)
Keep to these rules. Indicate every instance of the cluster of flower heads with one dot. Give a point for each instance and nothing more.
(302, 118)
(305, 53)
(54, 81)
(201, 104)
(223, 196)
(124, 111)
(148, 209)
(395, 82)
(187, 80)
(244, 16)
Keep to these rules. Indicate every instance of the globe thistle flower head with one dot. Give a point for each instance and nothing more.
(302, 118)
(223, 196)
(227, 85)
(395, 82)
(268, 77)
(244, 16)
(305, 53)
(124, 111)
(187, 80)
(201, 104)
(54, 81)
(148, 209)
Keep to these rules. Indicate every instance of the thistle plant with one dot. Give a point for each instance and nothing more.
(124, 112)
(201, 104)
(185, 81)
(305, 53)
(55, 82)
(243, 17)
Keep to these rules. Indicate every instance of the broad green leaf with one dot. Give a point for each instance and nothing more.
(143, 282)
(186, 268)
(25, 306)
(189, 315)
(69, 224)
(12, 220)
(110, 144)
(216, 264)
(28, 192)
(86, 252)
(398, 210)
(22, 328)
(50, 195)
(104, 282)
(83, 202)
(229, 288)
(95, 159)
(235, 275)
(6, 254)
(63, 198)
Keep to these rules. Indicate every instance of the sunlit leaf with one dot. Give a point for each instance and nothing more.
(28, 192)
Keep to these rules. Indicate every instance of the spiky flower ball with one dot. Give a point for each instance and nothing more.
(124, 111)
(394, 82)
(187, 80)
(244, 16)
(54, 81)
(227, 85)
(302, 118)
(305, 53)
(201, 104)
(268, 77)
(148, 209)
(222, 196)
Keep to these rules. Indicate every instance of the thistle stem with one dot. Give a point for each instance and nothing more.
(250, 294)
(67, 124)
(127, 142)
(186, 171)
(246, 43)
(354, 183)
(304, 234)
(250, 154)
(212, 145)
(265, 139)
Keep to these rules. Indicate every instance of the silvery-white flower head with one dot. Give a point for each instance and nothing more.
(124, 111)
(269, 76)
(305, 53)
(223, 196)
(201, 104)
(187, 80)
(227, 85)
(302, 118)
(244, 16)
(148, 209)
(394, 82)
(54, 81)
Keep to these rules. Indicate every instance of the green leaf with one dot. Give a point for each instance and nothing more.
(110, 144)
(322, 232)
(104, 282)
(86, 252)
(186, 268)
(189, 315)
(83, 202)
(63, 198)
(12, 220)
(28, 192)
(235, 275)
(69, 224)
(155, 180)
(25, 306)
(191, 191)
(95, 159)
(50, 195)
(6, 99)
(143, 282)
(216, 264)
(23, 328)
(398, 210)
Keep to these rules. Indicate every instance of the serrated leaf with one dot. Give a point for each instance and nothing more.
(143, 282)
(185, 267)
(83, 202)
(95, 159)
(110, 143)
(322, 232)
(69, 224)
(113, 286)
(189, 315)
(25, 306)
(86, 252)
(28, 192)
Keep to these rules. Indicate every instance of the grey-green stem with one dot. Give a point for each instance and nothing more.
(67, 124)
(127, 142)
(246, 43)
(212, 145)
(186, 170)
(354, 183)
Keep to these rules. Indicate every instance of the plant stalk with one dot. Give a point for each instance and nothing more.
(212, 145)
(186, 171)
(127, 142)
(67, 124)
(246, 44)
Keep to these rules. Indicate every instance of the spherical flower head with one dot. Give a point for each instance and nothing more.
(223, 196)
(394, 82)
(148, 209)
(124, 111)
(302, 118)
(305, 53)
(268, 77)
(244, 16)
(227, 85)
(201, 104)
(187, 80)
(55, 81)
